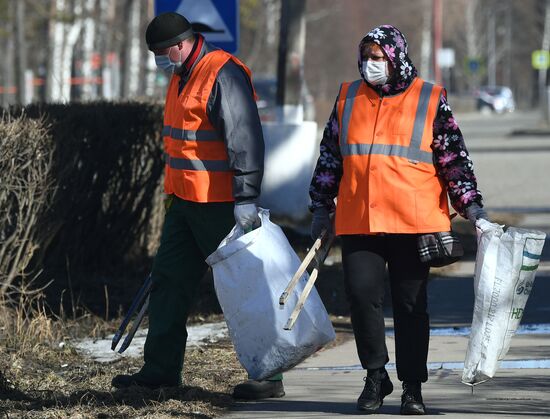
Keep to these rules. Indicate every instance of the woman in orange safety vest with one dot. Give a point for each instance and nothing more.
(391, 155)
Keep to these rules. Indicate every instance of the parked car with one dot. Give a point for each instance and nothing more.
(497, 99)
(266, 89)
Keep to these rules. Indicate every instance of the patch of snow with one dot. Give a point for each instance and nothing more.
(523, 329)
(100, 349)
(506, 364)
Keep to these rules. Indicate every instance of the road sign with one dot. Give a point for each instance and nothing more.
(540, 59)
(473, 65)
(217, 20)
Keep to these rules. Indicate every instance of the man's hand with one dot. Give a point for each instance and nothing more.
(474, 212)
(246, 216)
(320, 221)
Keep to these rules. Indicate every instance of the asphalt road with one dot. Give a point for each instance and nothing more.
(513, 171)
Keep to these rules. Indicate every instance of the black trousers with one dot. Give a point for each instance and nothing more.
(365, 258)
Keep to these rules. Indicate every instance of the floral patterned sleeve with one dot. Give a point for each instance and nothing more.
(452, 161)
(328, 172)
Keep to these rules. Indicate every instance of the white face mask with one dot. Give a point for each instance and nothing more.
(376, 72)
(165, 63)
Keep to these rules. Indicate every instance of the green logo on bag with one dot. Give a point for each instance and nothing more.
(524, 288)
(517, 313)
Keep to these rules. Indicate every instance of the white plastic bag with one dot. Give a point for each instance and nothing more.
(506, 264)
(250, 273)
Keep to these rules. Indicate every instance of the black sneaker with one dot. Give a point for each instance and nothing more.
(411, 400)
(255, 390)
(376, 388)
(125, 381)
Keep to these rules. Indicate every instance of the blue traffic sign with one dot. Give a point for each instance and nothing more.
(217, 20)
(473, 65)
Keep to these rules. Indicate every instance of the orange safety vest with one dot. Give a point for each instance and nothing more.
(389, 182)
(197, 165)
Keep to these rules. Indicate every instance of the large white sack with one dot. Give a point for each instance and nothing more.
(506, 264)
(250, 273)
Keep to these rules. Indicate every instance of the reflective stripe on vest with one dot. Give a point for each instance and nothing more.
(180, 134)
(187, 164)
(197, 163)
(389, 181)
(412, 151)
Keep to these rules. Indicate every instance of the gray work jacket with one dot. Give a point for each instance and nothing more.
(232, 111)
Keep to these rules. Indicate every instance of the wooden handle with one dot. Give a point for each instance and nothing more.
(301, 300)
(305, 263)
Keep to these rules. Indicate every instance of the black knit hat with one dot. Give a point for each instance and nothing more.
(166, 30)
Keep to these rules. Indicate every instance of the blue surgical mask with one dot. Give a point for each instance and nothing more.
(376, 72)
(166, 64)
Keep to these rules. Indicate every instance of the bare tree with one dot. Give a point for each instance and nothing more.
(25, 190)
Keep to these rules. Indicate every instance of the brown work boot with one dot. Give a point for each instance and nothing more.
(255, 390)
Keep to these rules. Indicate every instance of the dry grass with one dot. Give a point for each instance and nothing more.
(42, 377)
(60, 383)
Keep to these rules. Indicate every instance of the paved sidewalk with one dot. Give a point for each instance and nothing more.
(328, 384)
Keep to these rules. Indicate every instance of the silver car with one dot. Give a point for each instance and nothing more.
(497, 99)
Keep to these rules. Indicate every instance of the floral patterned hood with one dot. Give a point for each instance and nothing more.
(394, 44)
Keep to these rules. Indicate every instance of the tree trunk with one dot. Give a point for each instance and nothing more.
(55, 51)
(8, 60)
(20, 52)
(472, 40)
(72, 33)
(543, 90)
(291, 54)
(426, 46)
(132, 48)
(89, 86)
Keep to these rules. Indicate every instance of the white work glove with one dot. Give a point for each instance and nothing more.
(246, 216)
(320, 221)
(474, 212)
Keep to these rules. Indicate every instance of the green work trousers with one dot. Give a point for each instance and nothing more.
(191, 232)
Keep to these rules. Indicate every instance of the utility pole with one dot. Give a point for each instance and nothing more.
(291, 56)
(437, 29)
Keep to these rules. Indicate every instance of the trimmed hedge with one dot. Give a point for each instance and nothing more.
(106, 210)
